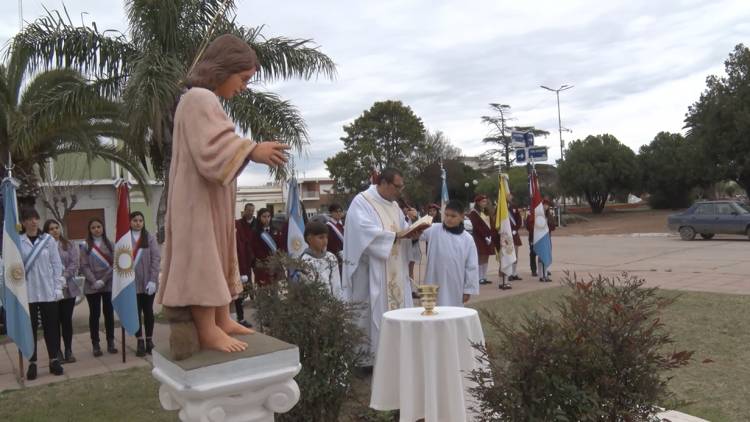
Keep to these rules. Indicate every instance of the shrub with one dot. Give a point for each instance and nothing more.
(601, 357)
(324, 329)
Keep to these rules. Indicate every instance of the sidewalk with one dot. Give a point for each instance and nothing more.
(85, 365)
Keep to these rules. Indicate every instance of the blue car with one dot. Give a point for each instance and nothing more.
(711, 217)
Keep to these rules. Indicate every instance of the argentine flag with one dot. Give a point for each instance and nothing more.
(542, 240)
(13, 290)
(123, 274)
(444, 190)
(295, 239)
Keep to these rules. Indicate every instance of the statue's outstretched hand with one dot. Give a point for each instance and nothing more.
(271, 153)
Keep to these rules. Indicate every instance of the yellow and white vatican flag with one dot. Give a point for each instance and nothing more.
(507, 252)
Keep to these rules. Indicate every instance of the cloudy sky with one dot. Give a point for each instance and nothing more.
(636, 65)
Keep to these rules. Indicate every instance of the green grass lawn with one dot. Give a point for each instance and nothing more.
(714, 325)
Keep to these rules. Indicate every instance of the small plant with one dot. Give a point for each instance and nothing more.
(323, 328)
(601, 357)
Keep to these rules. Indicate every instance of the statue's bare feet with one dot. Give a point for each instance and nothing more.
(217, 339)
(232, 327)
(228, 325)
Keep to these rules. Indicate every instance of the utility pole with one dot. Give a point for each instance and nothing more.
(563, 87)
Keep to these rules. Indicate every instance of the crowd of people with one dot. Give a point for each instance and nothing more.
(457, 259)
(374, 256)
(60, 274)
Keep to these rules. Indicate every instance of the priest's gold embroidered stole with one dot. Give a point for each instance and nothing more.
(390, 218)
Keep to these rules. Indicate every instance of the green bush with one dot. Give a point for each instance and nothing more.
(601, 356)
(323, 327)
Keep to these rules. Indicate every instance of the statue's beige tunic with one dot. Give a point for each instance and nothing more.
(199, 266)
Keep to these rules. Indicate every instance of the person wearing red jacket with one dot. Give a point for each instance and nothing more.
(264, 243)
(245, 257)
(335, 224)
(485, 236)
(516, 223)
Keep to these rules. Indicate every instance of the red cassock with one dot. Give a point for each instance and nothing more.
(516, 222)
(245, 255)
(261, 251)
(480, 232)
(335, 243)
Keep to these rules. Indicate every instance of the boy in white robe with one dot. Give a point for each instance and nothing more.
(452, 258)
(324, 266)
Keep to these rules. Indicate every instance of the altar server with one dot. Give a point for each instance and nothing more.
(452, 261)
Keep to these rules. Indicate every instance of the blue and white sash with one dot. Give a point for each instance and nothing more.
(100, 256)
(36, 249)
(268, 240)
(336, 230)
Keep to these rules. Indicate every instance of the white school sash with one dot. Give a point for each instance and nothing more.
(36, 249)
(336, 230)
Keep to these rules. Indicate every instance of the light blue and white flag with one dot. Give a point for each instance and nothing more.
(124, 296)
(295, 239)
(444, 190)
(542, 240)
(14, 294)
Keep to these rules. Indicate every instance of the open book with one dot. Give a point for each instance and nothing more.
(421, 224)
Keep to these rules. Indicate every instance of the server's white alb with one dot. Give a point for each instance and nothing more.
(452, 263)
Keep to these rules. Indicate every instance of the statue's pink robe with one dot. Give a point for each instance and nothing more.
(199, 266)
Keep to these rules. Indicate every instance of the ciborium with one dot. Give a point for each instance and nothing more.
(428, 298)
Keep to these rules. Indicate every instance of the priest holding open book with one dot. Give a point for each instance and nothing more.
(377, 240)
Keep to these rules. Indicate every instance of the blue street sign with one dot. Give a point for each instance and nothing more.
(528, 138)
(518, 139)
(520, 156)
(538, 153)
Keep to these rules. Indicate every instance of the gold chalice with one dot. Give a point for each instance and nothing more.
(428, 297)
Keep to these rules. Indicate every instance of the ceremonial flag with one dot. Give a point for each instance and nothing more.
(444, 190)
(296, 228)
(542, 240)
(123, 274)
(13, 290)
(507, 252)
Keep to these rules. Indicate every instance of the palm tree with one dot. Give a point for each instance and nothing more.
(146, 68)
(52, 113)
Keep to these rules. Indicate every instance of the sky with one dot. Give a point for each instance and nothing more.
(635, 65)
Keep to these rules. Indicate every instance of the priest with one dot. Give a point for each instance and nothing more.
(376, 254)
(452, 261)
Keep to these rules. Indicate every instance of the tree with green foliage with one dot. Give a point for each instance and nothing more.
(146, 68)
(500, 133)
(389, 134)
(670, 166)
(47, 114)
(597, 167)
(720, 120)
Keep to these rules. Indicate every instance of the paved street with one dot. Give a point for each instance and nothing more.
(720, 265)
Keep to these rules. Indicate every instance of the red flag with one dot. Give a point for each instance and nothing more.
(123, 211)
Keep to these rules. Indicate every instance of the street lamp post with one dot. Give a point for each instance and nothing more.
(563, 87)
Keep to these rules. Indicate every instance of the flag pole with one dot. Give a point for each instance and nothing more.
(20, 366)
(122, 327)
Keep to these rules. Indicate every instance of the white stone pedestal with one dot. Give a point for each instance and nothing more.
(216, 387)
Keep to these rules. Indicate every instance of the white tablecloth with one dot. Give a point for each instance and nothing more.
(422, 363)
